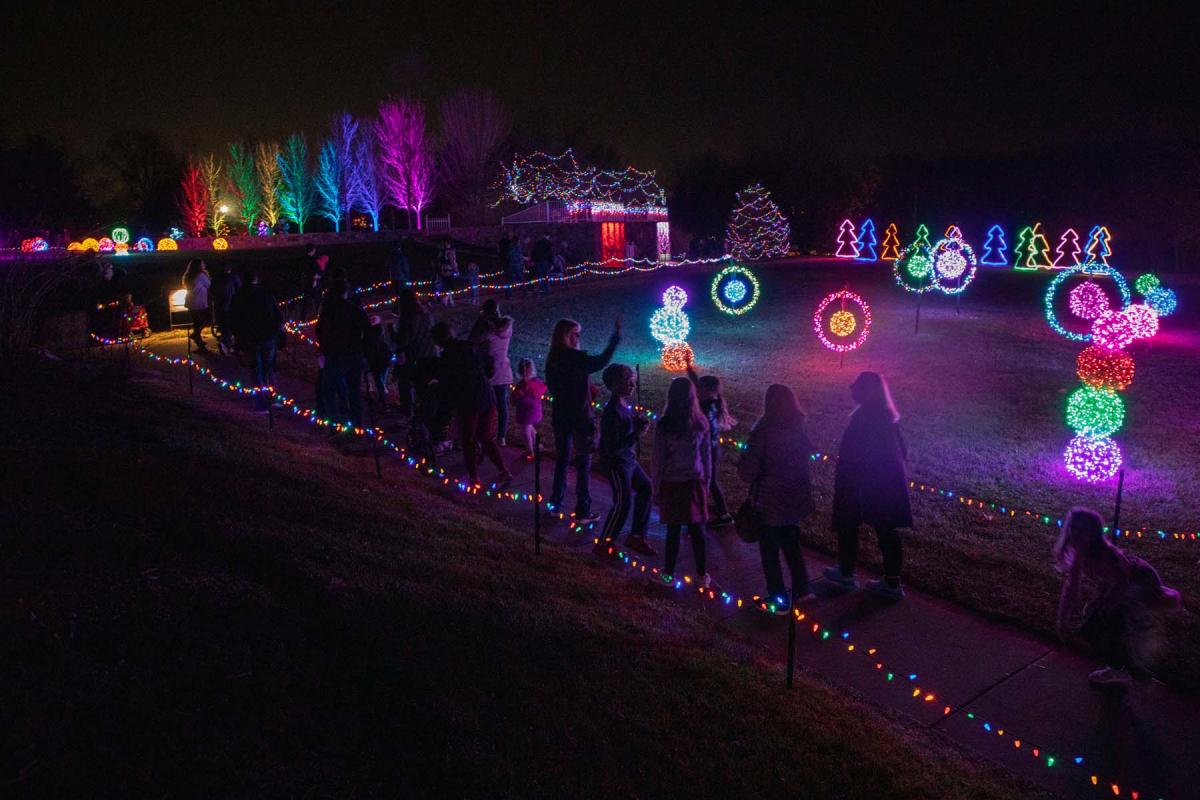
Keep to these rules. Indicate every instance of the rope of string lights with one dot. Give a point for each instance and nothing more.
(871, 656)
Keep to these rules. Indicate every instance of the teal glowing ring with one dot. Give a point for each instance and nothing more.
(743, 275)
(1089, 268)
(900, 269)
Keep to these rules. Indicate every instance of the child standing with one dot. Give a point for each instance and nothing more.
(1118, 622)
(708, 391)
(620, 428)
(682, 468)
(527, 399)
(473, 282)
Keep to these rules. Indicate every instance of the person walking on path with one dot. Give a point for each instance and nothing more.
(463, 371)
(414, 344)
(776, 465)
(255, 320)
(473, 281)
(567, 376)
(870, 486)
(620, 428)
(514, 267)
(492, 334)
(225, 288)
(1119, 621)
(378, 350)
(682, 464)
(543, 261)
(708, 390)
(341, 327)
(197, 283)
(527, 400)
(398, 268)
(313, 283)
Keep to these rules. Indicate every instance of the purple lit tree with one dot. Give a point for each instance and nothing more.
(296, 183)
(404, 155)
(367, 190)
(1067, 252)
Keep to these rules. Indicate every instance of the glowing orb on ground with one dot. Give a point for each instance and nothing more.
(954, 266)
(167, 244)
(674, 297)
(91, 244)
(668, 325)
(75, 247)
(1102, 368)
(842, 323)
(676, 356)
(106, 245)
(1162, 300)
(1087, 300)
(1092, 458)
(845, 298)
(219, 243)
(919, 265)
(1113, 330)
(1146, 283)
(1095, 412)
(734, 290)
(144, 245)
(1143, 320)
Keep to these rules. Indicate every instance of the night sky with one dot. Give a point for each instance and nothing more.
(655, 85)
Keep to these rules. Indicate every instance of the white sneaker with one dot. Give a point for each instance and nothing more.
(1107, 676)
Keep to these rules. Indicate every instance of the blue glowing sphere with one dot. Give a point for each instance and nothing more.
(734, 290)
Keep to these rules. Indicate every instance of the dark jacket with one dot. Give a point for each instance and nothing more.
(618, 435)
(776, 465)
(315, 279)
(341, 327)
(254, 316)
(377, 347)
(397, 265)
(461, 370)
(567, 374)
(225, 288)
(542, 252)
(870, 484)
(413, 339)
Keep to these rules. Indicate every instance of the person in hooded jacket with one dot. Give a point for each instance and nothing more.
(492, 334)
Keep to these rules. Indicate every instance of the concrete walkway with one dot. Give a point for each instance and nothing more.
(1009, 696)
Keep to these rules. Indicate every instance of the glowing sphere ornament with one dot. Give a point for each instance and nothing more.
(75, 247)
(669, 325)
(1143, 320)
(144, 245)
(920, 265)
(106, 245)
(848, 305)
(954, 266)
(1113, 330)
(219, 243)
(913, 269)
(676, 356)
(1093, 268)
(1102, 368)
(167, 244)
(1146, 283)
(734, 290)
(1087, 300)
(674, 297)
(91, 244)
(120, 235)
(1095, 412)
(1162, 300)
(1092, 458)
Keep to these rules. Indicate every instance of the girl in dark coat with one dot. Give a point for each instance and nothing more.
(870, 486)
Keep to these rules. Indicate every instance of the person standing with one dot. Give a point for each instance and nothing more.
(414, 344)
(543, 261)
(224, 290)
(527, 402)
(398, 268)
(313, 282)
(255, 321)
(514, 266)
(567, 371)
(341, 327)
(620, 428)
(463, 371)
(492, 334)
(870, 486)
(682, 464)
(378, 350)
(473, 281)
(197, 283)
(708, 390)
(776, 465)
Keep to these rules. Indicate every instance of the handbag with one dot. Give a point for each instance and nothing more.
(748, 519)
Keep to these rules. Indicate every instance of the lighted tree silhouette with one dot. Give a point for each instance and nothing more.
(295, 179)
(1067, 252)
(193, 199)
(1039, 249)
(1097, 247)
(243, 180)
(1021, 248)
(404, 155)
(922, 237)
(994, 248)
(757, 228)
(328, 184)
(891, 243)
(211, 169)
(474, 124)
(267, 163)
(847, 240)
(866, 241)
(367, 191)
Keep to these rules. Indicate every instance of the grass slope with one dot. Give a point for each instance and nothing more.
(196, 607)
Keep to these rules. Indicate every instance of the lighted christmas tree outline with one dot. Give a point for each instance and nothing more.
(757, 228)
(1098, 240)
(922, 237)
(847, 238)
(891, 243)
(994, 247)
(1039, 249)
(953, 232)
(866, 241)
(1021, 251)
(1068, 245)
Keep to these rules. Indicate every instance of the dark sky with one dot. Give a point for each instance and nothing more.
(652, 81)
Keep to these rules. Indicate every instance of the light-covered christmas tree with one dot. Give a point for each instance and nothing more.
(757, 228)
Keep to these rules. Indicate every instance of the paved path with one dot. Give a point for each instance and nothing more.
(1013, 698)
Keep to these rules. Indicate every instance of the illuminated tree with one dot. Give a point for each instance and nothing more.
(847, 240)
(891, 243)
(269, 183)
(474, 124)
(193, 199)
(1039, 249)
(295, 181)
(994, 247)
(1068, 248)
(922, 237)
(1097, 247)
(757, 228)
(210, 169)
(367, 191)
(1021, 248)
(865, 245)
(404, 156)
(243, 180)
(328, 184)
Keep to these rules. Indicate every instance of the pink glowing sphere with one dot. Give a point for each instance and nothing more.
(1088, 300)
(1092, 458)
(1112, 330)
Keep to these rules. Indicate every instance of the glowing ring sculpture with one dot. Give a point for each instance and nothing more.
(144, 245)
(953, 260)
(725, 295)
(1088, 268)
(819, 324)
(120, 235)
(219, 243)
(915, 262)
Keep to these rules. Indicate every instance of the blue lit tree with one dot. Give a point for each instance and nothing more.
(866, 241)
(328, 184)
(994, 248)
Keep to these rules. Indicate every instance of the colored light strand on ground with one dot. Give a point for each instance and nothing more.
(1090, 268)
(727, 297)
(994, 248)
(954, 266)
(822, 327)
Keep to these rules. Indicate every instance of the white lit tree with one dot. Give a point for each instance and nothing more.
(757, 228)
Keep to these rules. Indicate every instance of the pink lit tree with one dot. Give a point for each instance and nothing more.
(404, 155)
(1067, 252)
(193, 199)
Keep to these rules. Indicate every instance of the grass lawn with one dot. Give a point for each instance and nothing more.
(196, 607)
(982, 395)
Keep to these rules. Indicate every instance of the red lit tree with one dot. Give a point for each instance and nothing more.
(193, 199)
